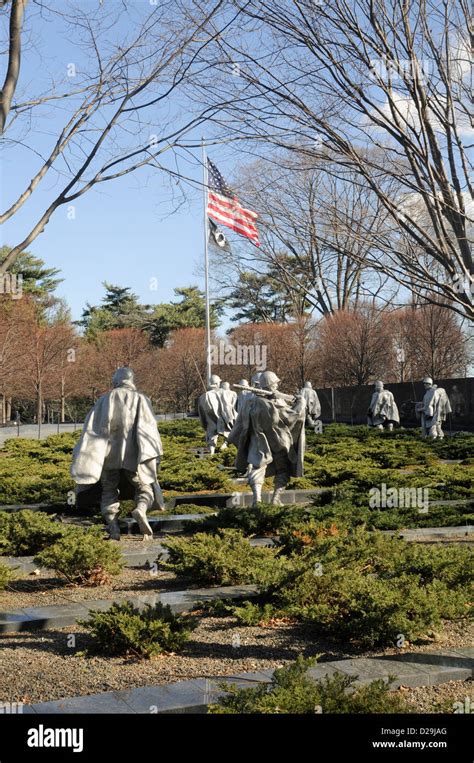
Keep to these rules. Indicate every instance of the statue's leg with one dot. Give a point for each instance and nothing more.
(255, 477)
(439, 430)
(143, 501)
(109, 502)
(211, 439)
(282, 475)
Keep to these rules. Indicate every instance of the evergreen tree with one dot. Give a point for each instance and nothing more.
(270, 297)
(119, 309)
(190, 312)
(38, 280)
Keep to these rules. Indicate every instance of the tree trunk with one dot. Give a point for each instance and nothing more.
(9, 409)
(39, 404)
(63, 403)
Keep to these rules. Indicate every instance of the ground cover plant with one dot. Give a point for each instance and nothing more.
(350, 584)
(83, 557)
(6, 574)
(293, 691)
(37, 471)
(352, 458)
(125, 630)
(223, 558)
(25, 533)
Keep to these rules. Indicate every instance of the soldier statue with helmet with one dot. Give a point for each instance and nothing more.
(270, 437)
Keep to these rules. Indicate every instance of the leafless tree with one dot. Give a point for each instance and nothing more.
(311, 240)
(355, 345)
(382, 89)
(119, 104)
(432, 341)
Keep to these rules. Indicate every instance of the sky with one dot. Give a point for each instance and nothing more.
(122, 231)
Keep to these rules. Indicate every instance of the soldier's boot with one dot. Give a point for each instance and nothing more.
(212, 449)
(110, 517)
(276, 497)
(139, 514)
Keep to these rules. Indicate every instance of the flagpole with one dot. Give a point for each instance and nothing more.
(206, 264)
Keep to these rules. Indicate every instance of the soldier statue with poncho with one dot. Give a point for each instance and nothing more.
(270, 437)
(119, 450)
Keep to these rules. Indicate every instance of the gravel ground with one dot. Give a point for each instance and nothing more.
(441, 698)
(48, 665)
(44, 666)
(44, 588)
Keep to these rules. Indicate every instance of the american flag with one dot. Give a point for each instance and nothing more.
(224, 207)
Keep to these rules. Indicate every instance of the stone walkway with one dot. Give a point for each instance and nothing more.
(61, 615)
(144, 555)
(409, 669)
(30, 431)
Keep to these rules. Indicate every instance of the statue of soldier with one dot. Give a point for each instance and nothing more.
(383, 410)
(209, 408)
(242, 395)
(120, 439)
(434, 409)
(313, 406)
(270, 439)
(227, 411)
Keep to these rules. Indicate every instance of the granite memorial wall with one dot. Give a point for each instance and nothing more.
(349, 404)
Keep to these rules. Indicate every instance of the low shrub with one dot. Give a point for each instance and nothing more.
(191, 508)
(83, 557)
(6, 574)
(293, 691)
(264, 519)
(250, 613)
(226, 558)
(365, 587)
(125, 630)
(368, 610)
(25, 533)
(350, 508)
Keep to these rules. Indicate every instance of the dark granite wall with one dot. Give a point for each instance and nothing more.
(350, 403)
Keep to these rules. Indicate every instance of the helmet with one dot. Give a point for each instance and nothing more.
(215, 380)
(378, 385)
(243, 383)
(225, 385)
(267, 379)
(308, 385)
(122, 374)
(428, 380)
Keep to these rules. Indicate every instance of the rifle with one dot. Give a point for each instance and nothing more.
(266, 392)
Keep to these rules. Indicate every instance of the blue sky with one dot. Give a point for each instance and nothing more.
(119, 235)
(123, 231)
